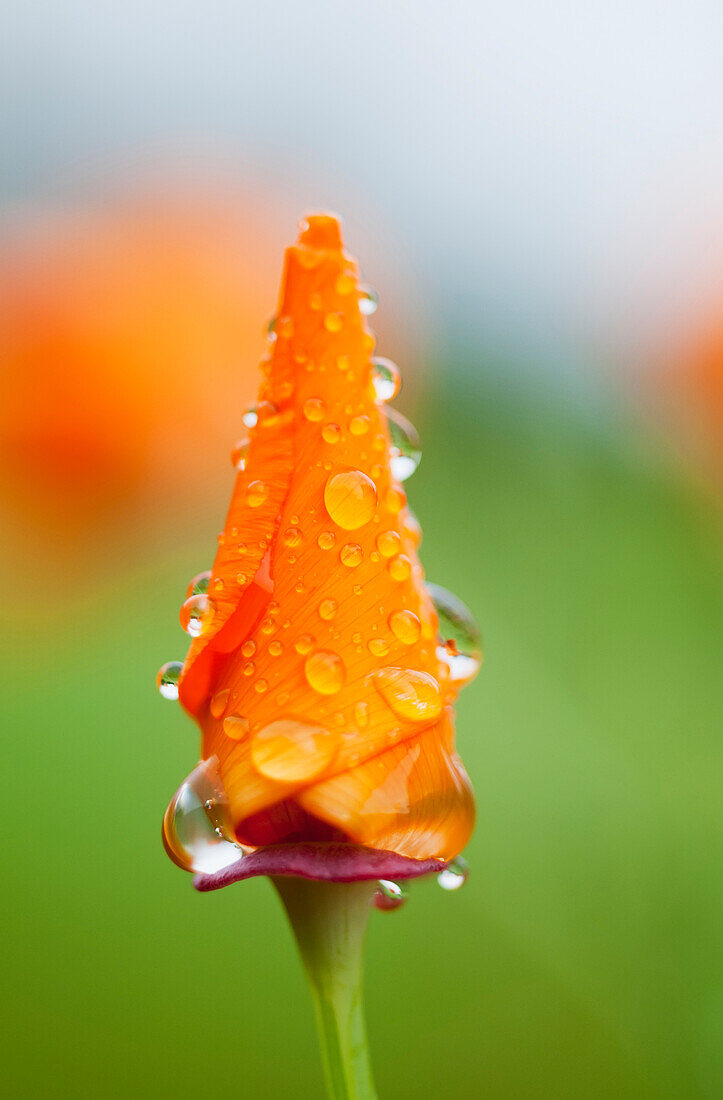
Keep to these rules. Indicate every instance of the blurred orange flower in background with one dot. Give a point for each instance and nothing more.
(317, 674)
(109, 322)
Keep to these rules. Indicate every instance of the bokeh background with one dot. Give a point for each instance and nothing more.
(536, 191)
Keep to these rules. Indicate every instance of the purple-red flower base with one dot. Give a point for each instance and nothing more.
(323, 862)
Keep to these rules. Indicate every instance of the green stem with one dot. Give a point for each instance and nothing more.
(329, 920)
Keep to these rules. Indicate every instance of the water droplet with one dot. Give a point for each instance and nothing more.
(256, 493)
(314, 409)
(327, 609)
(292, 536)
(270, 331)
(218, 704)
(405, 451)
(239, 454)
(304, 644)
(386, 379)
(454, 875)
(168, 677)
(196, 613)
(461, 647)
(197, 832)
(285, 328)
(388, 543)
(250, 417)
(361, 714)
(400, 567)
(359, 425)
(379, 647)
(405, 626)
(390, 895)
(368, 300)
(248, 648)
(395, 499)
(291, 751)
(236, 727)
(261, 686)
(326, 540)
(315, 301)
(351, 555)
(410, 694)
(350, 498)
(325, 672)
(249, 669)
(199, 585)
(331, 433)
(345, 283)
(333, 322)
(276, 649)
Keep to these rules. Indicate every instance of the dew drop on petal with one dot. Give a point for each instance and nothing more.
(250, 417)
(196, 613)
(326, 540)
(379, 647)
(345, 283)
(368, 300)
(405, 451)
(461, 644)
(405, 626)
(197, 833)
(304, 644)
(167, 679)
(292, 536)
(386, 379)
(327, 609)
(351, 555)
(256, 493)
(400, 567)
(350, 498)
(314, 409)
(218, 704)
(325, 672)
(454, 875)
(292, 751)
(359, 425)
(410, 694)
(199, 585)
(395, 499)
(390, 895)
(333, 322)
(331, 433)
(239, 454)
(388, 543)
(236, 727)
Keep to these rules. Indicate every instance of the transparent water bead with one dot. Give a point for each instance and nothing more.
(405, 452)
(196, 613)
(199, 584)
(250, 417)
(390, 895)
(368, 300)
(239, 454)
(454, 875)
(197, 832)
(167, 679)
(386, 379)
(461, 647)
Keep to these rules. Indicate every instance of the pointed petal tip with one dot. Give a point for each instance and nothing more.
(321, 231)
(323, 862)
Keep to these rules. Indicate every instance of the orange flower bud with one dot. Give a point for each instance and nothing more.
(319, 673)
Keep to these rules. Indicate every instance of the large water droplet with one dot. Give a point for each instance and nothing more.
(350, 498)
(168, 677)
(199, 585)
(461, 645)
(250, 417)
(454, 875)
(291, 751)
(196, 613)
(390, 895)
(325, 672)
(386, 379)
(410, 694)
(368, 300)
(405, 626)
(405, 452)
(197, 833)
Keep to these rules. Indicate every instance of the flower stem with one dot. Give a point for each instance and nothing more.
(329, 920)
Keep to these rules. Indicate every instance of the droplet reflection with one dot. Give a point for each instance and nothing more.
(454, 875)
(197, 834)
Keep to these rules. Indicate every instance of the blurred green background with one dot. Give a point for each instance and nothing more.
(583, 957)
